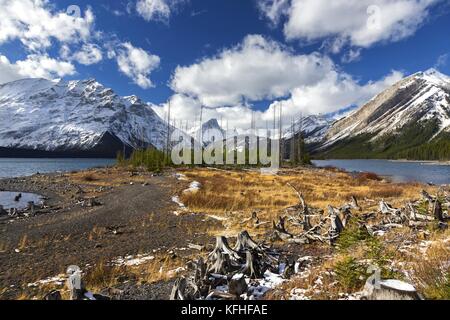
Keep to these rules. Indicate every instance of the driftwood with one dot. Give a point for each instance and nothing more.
(226, 268)
(18, 197)
(280, 230)
(386, 208)
(255, 219)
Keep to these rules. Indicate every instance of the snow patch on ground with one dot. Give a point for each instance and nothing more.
(133, 261)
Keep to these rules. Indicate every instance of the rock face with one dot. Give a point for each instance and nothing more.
(83, 118)
(413, 112)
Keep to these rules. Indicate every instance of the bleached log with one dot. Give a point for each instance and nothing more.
(196, 247)
(418, 224)
(386, 208)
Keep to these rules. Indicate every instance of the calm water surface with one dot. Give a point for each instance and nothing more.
(18, 167)
(7, 199)
(398, 171)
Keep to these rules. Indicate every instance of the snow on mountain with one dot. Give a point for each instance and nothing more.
(419, 99)
(206, 132)
(60, 116)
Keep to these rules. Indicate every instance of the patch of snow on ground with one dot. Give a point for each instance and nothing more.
(193, 187)
(134, 261)
(58, 280)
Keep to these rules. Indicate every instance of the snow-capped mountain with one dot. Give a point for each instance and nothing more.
(206, 132)
(412, 112)
(74, 117)
(313, 128)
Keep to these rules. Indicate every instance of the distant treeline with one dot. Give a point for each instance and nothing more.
(156, 160)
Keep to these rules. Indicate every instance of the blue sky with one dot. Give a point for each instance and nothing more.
(214, 37)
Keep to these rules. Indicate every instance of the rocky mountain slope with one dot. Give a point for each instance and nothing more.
(411, 119)
(74, 118)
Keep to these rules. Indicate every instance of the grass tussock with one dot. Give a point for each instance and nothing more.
(432, 272)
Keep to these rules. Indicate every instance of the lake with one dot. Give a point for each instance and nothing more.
(398, 171)
(18, 167)
(7, 199)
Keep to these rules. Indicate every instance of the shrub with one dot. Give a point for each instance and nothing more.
(351, 274)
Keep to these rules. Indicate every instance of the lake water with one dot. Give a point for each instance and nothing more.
(7, 200)
(15, 167)
(398, 171)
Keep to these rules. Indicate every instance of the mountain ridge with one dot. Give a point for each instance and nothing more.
(80, 117)
(408, 115)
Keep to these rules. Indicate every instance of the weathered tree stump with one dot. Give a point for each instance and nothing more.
(245, 242)
(251, 267)
(178, 290)
(390, 290)
(237, 287)
(2, 211)
(75, 283)
(31, 207)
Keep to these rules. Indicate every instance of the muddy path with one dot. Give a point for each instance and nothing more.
(133, 219)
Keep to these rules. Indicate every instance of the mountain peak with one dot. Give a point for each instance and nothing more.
(211, 123)
(434, 76)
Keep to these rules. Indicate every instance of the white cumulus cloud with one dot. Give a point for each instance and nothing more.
(360, 23)
(137, 64)
(157, 10)
(258, 69)
(34, 66)
(36, 24)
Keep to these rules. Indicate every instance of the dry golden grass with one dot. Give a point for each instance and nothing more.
(236, 194)
(106, 275)
(23, 242)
